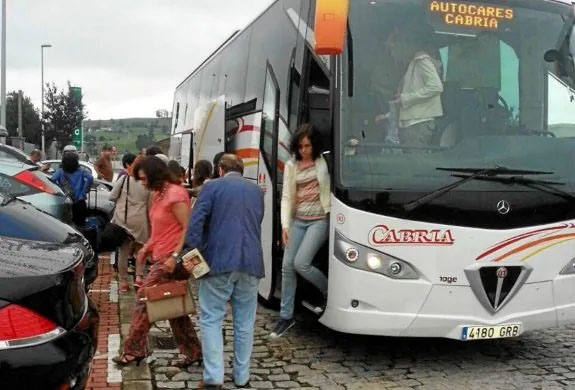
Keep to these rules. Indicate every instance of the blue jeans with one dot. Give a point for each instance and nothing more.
(214, 293)
(305, 239)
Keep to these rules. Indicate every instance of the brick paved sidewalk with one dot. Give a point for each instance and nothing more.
(104, 293)
(105, 374)
(115, 314)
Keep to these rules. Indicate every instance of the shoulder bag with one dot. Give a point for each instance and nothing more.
(115, 235)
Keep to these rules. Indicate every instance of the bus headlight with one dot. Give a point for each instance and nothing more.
(364, 258)
(373, 261)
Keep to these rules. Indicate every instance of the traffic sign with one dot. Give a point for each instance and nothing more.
(77, 138)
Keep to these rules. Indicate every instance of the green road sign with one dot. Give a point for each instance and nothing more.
(76, 93)
(77, 138)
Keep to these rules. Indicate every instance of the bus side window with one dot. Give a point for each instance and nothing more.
(269, 120)
(293, 99)
(177, 116)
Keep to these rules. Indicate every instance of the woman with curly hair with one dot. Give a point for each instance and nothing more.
(169, 220)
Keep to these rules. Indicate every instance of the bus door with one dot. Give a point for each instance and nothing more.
(316, 109)
(309, 97)
(208, 137)
(187, 153)
(316, 103)
(267, 179)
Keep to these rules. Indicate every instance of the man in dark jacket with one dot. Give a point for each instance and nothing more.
(233, 209)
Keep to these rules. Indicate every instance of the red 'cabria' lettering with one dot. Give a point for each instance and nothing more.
(382, 235)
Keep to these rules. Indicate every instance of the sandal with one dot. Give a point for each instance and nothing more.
(124, 361)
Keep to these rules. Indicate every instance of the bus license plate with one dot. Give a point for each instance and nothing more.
(490, 332)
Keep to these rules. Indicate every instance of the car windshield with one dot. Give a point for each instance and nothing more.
(429, 83)
(11, 154)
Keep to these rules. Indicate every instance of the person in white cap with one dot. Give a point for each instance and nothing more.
(70, 148)
(163, 157)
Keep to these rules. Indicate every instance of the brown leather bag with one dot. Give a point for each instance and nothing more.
(169, 300)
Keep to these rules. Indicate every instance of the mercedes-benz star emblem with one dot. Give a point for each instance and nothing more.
(503, 207)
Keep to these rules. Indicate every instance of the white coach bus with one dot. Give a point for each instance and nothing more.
(462, 228)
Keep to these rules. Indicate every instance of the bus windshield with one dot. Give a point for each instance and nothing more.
(455, 84)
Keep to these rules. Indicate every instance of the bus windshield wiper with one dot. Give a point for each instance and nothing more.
(541, 185)
(495, 171)
(468, 174)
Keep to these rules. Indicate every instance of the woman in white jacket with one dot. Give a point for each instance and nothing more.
(305, 209)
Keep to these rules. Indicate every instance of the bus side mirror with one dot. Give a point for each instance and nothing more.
(566, 61)
(330, 26)
(551, 55)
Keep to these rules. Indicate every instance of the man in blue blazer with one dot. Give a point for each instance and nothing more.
(225, 226)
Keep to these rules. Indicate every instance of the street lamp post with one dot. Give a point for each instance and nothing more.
(42, 65)
(3, 69)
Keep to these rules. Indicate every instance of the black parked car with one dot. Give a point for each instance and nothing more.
(47, 323)
(19, 219)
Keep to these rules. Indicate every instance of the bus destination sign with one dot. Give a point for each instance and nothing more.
(472, 15)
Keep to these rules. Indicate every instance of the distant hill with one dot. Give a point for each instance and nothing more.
(128, 135)
(160, 125)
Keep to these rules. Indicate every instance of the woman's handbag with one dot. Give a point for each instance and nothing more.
(168, 300)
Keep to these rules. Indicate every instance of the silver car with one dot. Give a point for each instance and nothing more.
(28, 183)
(55, 164)
(98, 199)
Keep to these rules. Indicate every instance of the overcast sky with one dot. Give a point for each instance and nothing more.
(127, 55)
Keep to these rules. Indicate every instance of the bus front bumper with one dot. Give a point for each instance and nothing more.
(362, 302)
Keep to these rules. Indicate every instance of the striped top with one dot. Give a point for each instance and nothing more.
(308, 205)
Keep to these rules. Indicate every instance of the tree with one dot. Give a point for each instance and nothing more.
(90, 144)
(143, 141)
(63, 113)
(30, 118)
